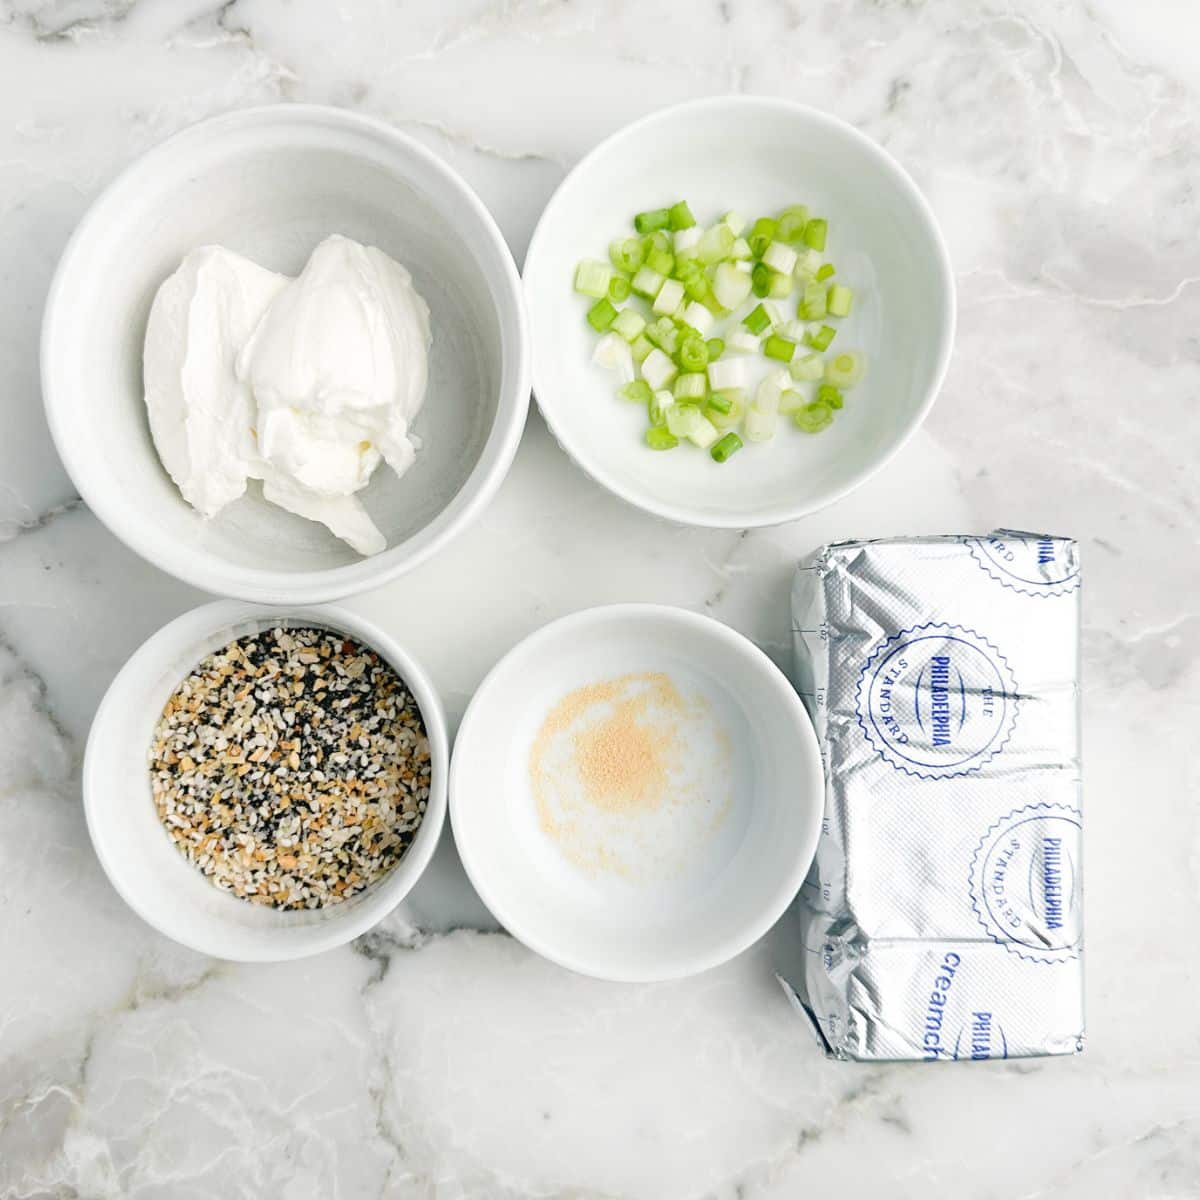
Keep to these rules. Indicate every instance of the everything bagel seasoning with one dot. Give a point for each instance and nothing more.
(291, 767)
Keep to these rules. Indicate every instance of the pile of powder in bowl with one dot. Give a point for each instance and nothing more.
(291, 767)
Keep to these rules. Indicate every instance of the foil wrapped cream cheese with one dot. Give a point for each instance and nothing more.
(942, 918)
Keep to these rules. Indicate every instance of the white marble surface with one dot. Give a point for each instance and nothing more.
(436, 1058)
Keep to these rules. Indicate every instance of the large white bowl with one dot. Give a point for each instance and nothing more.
(141, 861)
(271, 183)
(754, 155)
(662, 893)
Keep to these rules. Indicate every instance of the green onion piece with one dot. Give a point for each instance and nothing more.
(762, 232)
(669, 298)
(638, 390)
(727, 446)
(657, 405)
(812, 305)
(640, 346)
(715, 245)
(626, 254)
(652, 219)
(790, 223)
(660, 260)
(819, 339)
(692, 354)
(808, 263)
(807, 367)
(737, 409)
(681, 216)
(629, 324)
(658, 438)
(730, 285)
(660, 240)
(840, 298)
(760, 280)
(812, 418)
(779, 348)
(790, 402)
(601, 315)
(720, 402)
(740, 250)
(715, 348)
(814, 233)
(591, 278)
(780, 286)
(647, 282)
(757, 320)
(828, 394)
(696, 285)
(691, 386)
(846, 369)
(824, 271)
(735, 221)
(619, 289)
(658, 370)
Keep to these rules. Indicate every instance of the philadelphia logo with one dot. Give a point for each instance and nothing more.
(1034, 566)
(937, 701)
(1025, 882)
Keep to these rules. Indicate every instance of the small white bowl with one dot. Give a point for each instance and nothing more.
(271, 183)
(645, 893)
(754, 155)
(138, 857)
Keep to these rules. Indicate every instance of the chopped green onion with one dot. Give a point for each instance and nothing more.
(730, 286)
(601, 315)
(638, 390)
(715, 245)
(740, 250)
(660, 260)
(814, 233)
(780, 286)
(828, 394)
(692, 354)
(647, 282)
(757, 320)
(761, 234)
(705, 432)
(846, 369)
(760, 426)
(626, 254)
(773, 314)
(780, 257)
(715, 348)
(808, 367)
(658, 370)
(790, 401)
(629, 323)
(791, 222)
(658, 438)
(720, 402)
(779, 348)
(656, 407)
(808, 263)
(819, 339)
(681, 216)
(698, 317)
(840, 297)
(682, 419)
(696, 286)
(736, 400)
(824, 271)
(659, 240)
(744, 342)
(669, 298)
(727, 373)
(792, 330)
(591, 278)
(619, 289)
(640, 347)
(812, 306)
(651, 220)
(613, 354)
(812, 418)
(685, 244)
(760, 280)
(691, 386)
(722, 449)
(735, 221)
(766, 399)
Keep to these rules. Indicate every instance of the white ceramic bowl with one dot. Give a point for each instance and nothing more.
(139, 858)
(754, 155)
(641, 892)
(270, 183)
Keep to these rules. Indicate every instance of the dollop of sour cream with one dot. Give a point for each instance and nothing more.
(306, 384)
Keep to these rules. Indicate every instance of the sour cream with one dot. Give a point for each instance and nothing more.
(306, 384)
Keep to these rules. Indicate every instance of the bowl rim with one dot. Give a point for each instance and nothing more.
(776, 514)
(784, 892)
(195, 625)
(329, 583)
